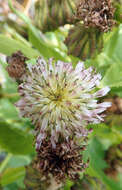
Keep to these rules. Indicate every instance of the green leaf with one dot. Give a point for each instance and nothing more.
(15, 140)
(68, 185)
(11, 175)
(113, 76)
(18, 161)
(9, 46)
(109, 133)
(98, 164)
(117, 91)
(12, 186)
(113, 47)
(44, 49)
(8, 110)
(10, 114)
(9, 87)
(110, 61)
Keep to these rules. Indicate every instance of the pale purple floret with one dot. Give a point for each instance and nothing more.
(61, 100)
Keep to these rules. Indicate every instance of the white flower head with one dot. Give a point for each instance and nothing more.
(60, 99)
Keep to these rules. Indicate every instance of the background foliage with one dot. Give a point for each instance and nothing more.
(16, 134)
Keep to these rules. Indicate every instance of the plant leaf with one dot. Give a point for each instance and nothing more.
(15, 140)
(113, 76)
(11, 175)
(113, 48)
(18, 161)
(97, 164)
(9, 46)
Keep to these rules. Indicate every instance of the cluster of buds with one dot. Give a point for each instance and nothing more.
(95, 13)
(61, 101)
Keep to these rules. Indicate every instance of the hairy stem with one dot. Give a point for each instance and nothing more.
(54, 185)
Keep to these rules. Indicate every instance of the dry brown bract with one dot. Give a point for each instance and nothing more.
(63, 161)
(96, 13)
(17, 66)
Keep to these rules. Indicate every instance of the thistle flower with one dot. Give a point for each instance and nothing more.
(61, 100)
(62, 162)
(95, 13)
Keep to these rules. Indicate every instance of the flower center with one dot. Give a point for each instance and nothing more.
(57, 96)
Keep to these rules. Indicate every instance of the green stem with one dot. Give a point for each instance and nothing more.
(10, 95)
(5, 162)
(54, 185)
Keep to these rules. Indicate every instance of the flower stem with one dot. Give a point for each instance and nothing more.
(5, 162)
(54, 185)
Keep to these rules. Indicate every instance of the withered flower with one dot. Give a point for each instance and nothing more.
(61, 162)
(16, 65)
(96, 13)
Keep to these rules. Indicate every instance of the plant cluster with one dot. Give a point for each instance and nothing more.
(57, 128)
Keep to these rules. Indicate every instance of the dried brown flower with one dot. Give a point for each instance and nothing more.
(96, 13)
(63, 161)
(17, 66)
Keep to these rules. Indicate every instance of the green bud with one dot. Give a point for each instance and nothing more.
(84, 42)
(50, 14)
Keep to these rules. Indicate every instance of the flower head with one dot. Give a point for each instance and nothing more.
(96, 13)
(16, 65)
(62, 162)
(61, 100)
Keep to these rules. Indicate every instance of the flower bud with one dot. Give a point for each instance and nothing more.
(84, 42)
(50, 14)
